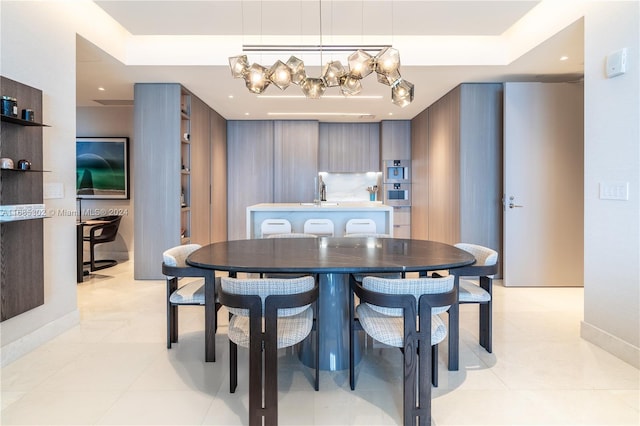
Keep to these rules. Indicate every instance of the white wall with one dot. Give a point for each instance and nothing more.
(111, 122)
(38, 49)
(612, 153)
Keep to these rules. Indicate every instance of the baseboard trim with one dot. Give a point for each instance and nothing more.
(610, 343)
(14, 350)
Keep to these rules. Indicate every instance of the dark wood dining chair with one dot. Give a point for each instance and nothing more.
(403, 313)
(174, 267)
(287, 309)
(479, 292)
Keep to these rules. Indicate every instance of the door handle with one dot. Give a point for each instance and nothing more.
(512, 204)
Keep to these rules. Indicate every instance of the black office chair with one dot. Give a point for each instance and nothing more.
(105, 231)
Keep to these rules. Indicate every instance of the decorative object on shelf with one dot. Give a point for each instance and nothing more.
(102, 168)
(386, 64)
(6, 163)
(9, 106)
(24, 165)
(28, 115)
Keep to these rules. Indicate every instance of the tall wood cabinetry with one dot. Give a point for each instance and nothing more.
(395, 144)
(463, 169)
(218, 174)
(173, 173)
(295, 161)
(349, 147)
(250, 159)
(420, 176)
(21, 228)
(273, 162)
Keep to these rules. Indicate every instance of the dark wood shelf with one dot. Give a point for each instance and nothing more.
(22, 248)
(25, 171)
(20, 121)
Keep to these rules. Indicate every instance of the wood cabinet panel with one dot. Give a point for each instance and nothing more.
(420, 176)
(295, 161)
(444, 168)
(163, 113)
(199, 197)
(481, 177)
(250, 172)
(395, 140)
(349, 147)
(218, 185)
(461, 166)
(157, 172)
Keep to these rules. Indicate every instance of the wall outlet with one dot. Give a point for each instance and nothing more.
(53, 190)
(614, 191)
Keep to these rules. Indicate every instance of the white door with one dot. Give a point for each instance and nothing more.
(543, 184)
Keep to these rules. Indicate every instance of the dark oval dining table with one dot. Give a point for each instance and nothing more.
(333, 259)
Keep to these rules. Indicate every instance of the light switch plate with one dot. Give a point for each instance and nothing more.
(53, 190)
(617, 63)
(614, 191)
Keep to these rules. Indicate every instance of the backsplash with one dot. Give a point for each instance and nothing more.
(351, 186)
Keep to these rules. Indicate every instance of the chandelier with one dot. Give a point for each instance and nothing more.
(348, 78)
(386, 65)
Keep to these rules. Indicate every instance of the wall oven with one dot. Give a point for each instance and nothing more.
(396, 182)
(397, 194)
(397, 171)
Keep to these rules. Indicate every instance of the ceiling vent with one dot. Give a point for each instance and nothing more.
(114, 102)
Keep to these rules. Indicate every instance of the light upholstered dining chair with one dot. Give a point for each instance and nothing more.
(274, 226)
(480, 292)
(174, 267)
(404, 313)
(320, 227)
(360, 226)
(285, 308)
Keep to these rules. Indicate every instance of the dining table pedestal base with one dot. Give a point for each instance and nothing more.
(333, 326)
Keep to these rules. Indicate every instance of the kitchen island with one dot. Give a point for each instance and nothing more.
(338, 212)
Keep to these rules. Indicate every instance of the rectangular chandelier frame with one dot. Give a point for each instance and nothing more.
(311, 47)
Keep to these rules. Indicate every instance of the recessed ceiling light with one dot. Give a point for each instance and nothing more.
(230, 96)
(246, 113)
(390, 113)
(101, 89)
(564, 58)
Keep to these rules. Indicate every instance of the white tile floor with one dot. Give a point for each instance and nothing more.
(114, 368)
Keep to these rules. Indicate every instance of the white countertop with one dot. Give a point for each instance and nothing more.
(324, 206)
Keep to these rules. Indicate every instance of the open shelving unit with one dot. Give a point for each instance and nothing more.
(21, 206)
(185, 172)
